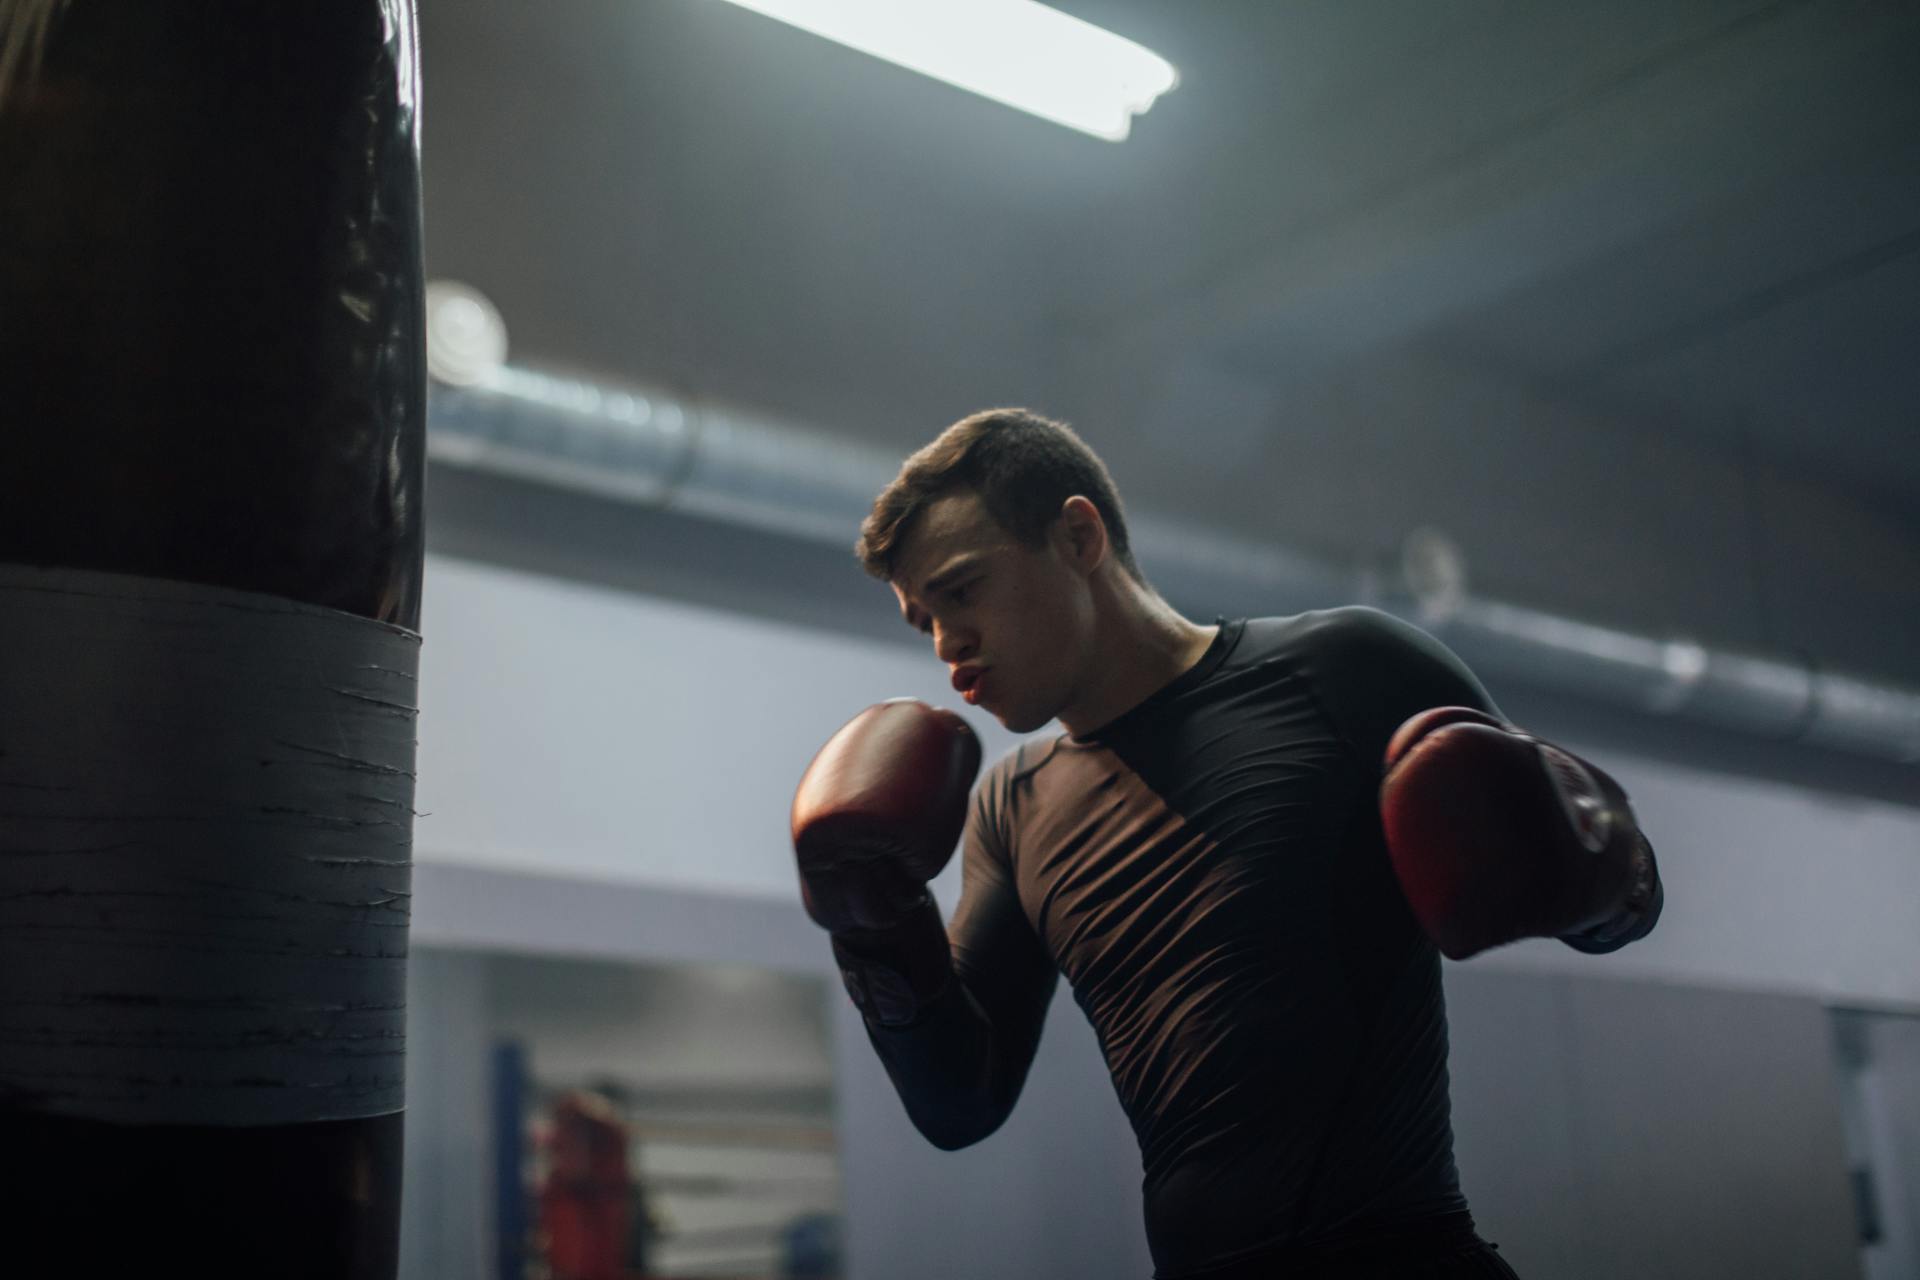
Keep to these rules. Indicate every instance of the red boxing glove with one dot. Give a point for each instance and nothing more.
(875, 818)
(878, 813)
(1497, 836)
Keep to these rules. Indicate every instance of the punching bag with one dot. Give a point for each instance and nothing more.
(211, 427)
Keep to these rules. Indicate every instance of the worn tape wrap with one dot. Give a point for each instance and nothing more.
(206, 828)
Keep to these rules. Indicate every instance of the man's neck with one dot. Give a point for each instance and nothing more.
(1143, 645)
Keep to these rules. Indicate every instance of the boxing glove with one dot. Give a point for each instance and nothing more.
(1496, 836)
(876, 816)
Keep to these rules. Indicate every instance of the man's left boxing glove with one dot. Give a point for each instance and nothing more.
(876, 816)
(1496, 836)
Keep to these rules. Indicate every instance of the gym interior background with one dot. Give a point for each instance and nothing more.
(1587, 335)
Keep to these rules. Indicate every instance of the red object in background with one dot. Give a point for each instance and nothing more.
(585, 1212)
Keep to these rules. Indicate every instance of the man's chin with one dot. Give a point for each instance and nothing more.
(1020, 722)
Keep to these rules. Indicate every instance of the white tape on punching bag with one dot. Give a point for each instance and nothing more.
(205, 824)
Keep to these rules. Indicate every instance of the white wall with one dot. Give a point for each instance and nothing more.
(1609, 1128)
(587, 733)
(583, 732)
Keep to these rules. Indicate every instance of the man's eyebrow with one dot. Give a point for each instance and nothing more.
(950, 574)
(939, 581)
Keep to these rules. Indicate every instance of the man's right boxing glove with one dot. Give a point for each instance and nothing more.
(1496, 836)
(876, 816)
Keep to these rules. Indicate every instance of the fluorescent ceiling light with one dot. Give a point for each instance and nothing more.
(1014, 51)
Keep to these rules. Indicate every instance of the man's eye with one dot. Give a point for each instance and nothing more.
(961, 593)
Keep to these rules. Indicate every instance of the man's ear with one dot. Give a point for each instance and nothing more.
(1082, 534)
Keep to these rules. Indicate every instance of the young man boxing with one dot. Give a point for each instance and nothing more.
(1241, 851)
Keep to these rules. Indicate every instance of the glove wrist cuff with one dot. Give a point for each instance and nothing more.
(1637, 913)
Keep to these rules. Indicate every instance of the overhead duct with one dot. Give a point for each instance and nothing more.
(666, 452)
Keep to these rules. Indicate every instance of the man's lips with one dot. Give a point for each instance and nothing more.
(966, 681)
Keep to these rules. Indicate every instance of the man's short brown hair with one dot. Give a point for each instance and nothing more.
(1023, 466)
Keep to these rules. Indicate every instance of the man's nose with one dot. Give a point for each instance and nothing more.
(953, 644)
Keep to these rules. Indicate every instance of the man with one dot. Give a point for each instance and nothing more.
(1204, 853)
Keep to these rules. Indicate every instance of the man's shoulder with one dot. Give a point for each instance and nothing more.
(1002, 799)
(1358, 631)
(1371, 669)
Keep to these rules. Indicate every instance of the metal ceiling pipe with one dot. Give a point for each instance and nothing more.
(658, 450)
(668, 452)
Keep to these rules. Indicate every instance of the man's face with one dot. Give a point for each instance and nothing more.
(1011, 623)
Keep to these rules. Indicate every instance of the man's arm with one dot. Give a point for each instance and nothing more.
(1497, 835)
(1490, 840)
(875, 818)
(958, 1063)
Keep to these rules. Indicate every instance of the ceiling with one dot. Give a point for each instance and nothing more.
(1691, 230)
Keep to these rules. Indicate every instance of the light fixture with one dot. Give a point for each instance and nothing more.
(1014, 51)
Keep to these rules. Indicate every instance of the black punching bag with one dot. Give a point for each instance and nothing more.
(211, 431)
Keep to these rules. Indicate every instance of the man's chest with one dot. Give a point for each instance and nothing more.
(1129, 857)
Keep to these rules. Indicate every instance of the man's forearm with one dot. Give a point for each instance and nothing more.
(943, 1068)
(957, 1078)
